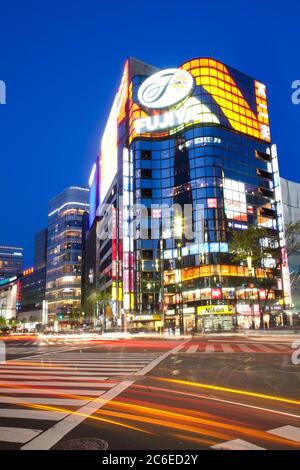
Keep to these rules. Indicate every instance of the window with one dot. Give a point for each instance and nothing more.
(146, 154)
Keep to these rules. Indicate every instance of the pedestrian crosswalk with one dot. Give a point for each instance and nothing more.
(290, 433)
(39, 391)
(235, 347)
(23, 350)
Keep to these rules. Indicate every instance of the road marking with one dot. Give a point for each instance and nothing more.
(192, 349)
(74, 368)
(266, 349)
(227, 348)
(45, 371)
(44, 401)
(41, 375)
(209, 348)
(57, 384)
(281, 347)
(85, 362)
(288, 432)
(49, 438)
(19, 435)
(54, 391)
(245, 348)
(32, 414)
(237, 444)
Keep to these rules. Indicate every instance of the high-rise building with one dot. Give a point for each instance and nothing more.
(193, 138)
(64, 255)
(33, 307)
(291, 212)
(40, 249)
(11, 261)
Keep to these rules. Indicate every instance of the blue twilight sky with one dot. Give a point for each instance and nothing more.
(62, 60)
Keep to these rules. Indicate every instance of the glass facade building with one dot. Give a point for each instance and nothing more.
(196, 136)
(64, 255)
(11, 261)
(291, 211)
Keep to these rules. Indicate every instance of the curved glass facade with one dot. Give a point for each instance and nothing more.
(210, 153)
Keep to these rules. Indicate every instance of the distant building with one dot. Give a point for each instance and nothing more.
(64, 255)
(40, 249)
(291, 213)
(11, 261)
(34, 283)
(10, 297)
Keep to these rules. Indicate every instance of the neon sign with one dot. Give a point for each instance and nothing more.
(192, 111)
(165, 88)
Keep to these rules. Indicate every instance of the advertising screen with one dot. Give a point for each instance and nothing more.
(109, 142)
(200, 91)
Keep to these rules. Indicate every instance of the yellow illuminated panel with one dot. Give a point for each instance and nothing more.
(215, 310)
(212, 270)
(215, 79)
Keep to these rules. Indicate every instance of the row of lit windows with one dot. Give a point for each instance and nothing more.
(210, 270)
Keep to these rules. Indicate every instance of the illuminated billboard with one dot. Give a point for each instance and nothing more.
(109, 142)
(235, 200)
(207, 92)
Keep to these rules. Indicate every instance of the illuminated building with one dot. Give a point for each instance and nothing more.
(291, 212)
(11, 261)
(10, 297)
(196, 135)
(34, 284)
(64, 256)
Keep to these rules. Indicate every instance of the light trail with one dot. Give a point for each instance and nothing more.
(231, 390)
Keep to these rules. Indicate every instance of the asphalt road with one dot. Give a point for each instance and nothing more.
(151, 394)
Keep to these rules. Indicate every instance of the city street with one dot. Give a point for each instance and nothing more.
(212, 392)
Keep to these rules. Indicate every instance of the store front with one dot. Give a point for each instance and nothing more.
(248, 316)
(145, 323)
(215, 318)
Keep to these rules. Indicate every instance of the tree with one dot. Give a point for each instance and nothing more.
(257, 244)
(101, 300)
(245, 244)
(2, 321)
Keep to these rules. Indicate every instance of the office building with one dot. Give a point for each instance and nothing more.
(64, 256)
(11, 261)
(291, 211)
(195, 136)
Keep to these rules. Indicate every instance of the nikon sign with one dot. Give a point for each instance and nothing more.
(215, 310)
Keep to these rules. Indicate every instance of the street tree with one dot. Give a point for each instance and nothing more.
(256, 245)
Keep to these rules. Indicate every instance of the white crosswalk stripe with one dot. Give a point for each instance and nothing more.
(288, 432)
(245, 348)
(264, 348)
(225, 347)
(21, 435)
(292, 433)
(237, 444)
(209, 348)
(192, 349)
(69, 380)
(32, 414)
